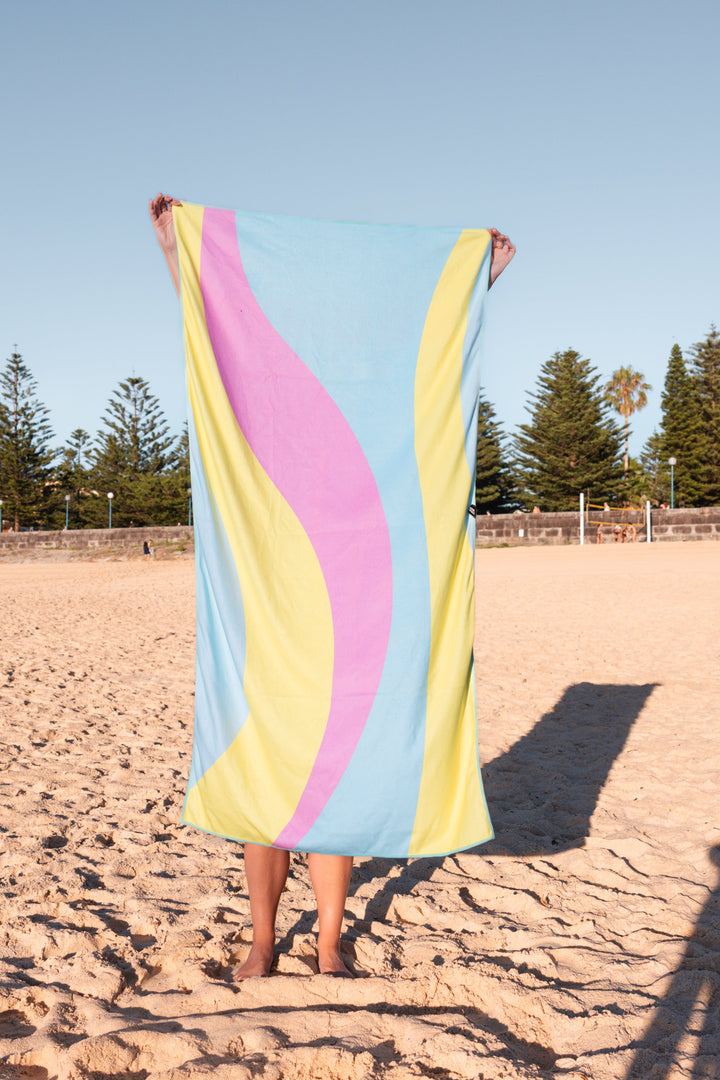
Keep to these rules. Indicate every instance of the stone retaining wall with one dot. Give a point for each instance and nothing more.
(514, 529)
(127, 541)
(701, 523)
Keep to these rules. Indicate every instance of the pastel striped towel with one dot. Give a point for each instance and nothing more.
(333, 380)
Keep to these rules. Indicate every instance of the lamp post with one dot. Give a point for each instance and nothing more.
(110, 499)
(1, 502)
(67, 509)
(672, 462)
(189, 494)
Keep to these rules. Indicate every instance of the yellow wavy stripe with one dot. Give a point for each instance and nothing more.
(451, 810)
(251, 791)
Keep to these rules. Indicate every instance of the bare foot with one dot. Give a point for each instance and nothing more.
(257, 965)
(330, 962)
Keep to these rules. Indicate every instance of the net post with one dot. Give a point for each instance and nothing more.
(582, 518)
(648, 536)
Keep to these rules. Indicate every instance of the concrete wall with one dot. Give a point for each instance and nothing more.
(701, 523)
(125, 541)
(527, 529)
(667, 525)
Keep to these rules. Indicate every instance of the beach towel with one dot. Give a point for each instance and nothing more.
(333, 381)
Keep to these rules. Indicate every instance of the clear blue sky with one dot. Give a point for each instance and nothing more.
(586, 131)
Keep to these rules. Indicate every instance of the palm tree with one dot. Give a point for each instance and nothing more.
(626, 393)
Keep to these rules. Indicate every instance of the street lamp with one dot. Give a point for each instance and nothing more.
(672, 462)
(189, 493)
(110, 499)
(67, 508)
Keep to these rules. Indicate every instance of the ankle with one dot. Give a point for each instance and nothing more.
(329, 944)
(263, 941)
(263, 946)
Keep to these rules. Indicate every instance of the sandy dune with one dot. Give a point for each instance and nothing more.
(583, 942)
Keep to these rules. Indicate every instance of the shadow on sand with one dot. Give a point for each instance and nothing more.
(542, 794)
(543, 791)
(690, 1007)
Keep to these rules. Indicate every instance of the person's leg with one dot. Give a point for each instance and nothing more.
(330, 877)
(266, 869)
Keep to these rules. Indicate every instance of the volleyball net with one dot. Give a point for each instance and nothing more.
(620, 525)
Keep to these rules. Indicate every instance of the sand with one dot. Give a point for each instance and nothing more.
(583, 942)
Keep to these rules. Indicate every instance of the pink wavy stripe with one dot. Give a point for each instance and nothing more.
(311, 454)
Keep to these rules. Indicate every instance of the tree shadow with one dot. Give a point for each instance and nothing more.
(543, 791)
(690, 1007)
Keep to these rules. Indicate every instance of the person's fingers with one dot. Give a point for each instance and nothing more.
(505, 246)
(156, 206)
(162, 204)
(499, 240)
(168, 202)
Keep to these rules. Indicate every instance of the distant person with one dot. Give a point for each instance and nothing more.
(536, 510)
(606, 506)
(146, 550)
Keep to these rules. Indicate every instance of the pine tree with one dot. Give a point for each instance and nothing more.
(705, 373)
(171, 489)
(182, 453)
(181, 473)
(680, 433)
(77, 452)
(638, 485)
(134, 449)
(135, 440)
(572, 442)
(493, 484)
(76, 481)
(653, 461)
(26, 456)
(625, 392)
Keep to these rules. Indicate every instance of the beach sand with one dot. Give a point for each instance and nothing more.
(584, 941)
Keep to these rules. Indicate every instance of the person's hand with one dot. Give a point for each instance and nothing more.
(502, 253)
(162, 219)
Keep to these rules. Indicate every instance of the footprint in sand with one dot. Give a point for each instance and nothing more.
(14, 1024)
